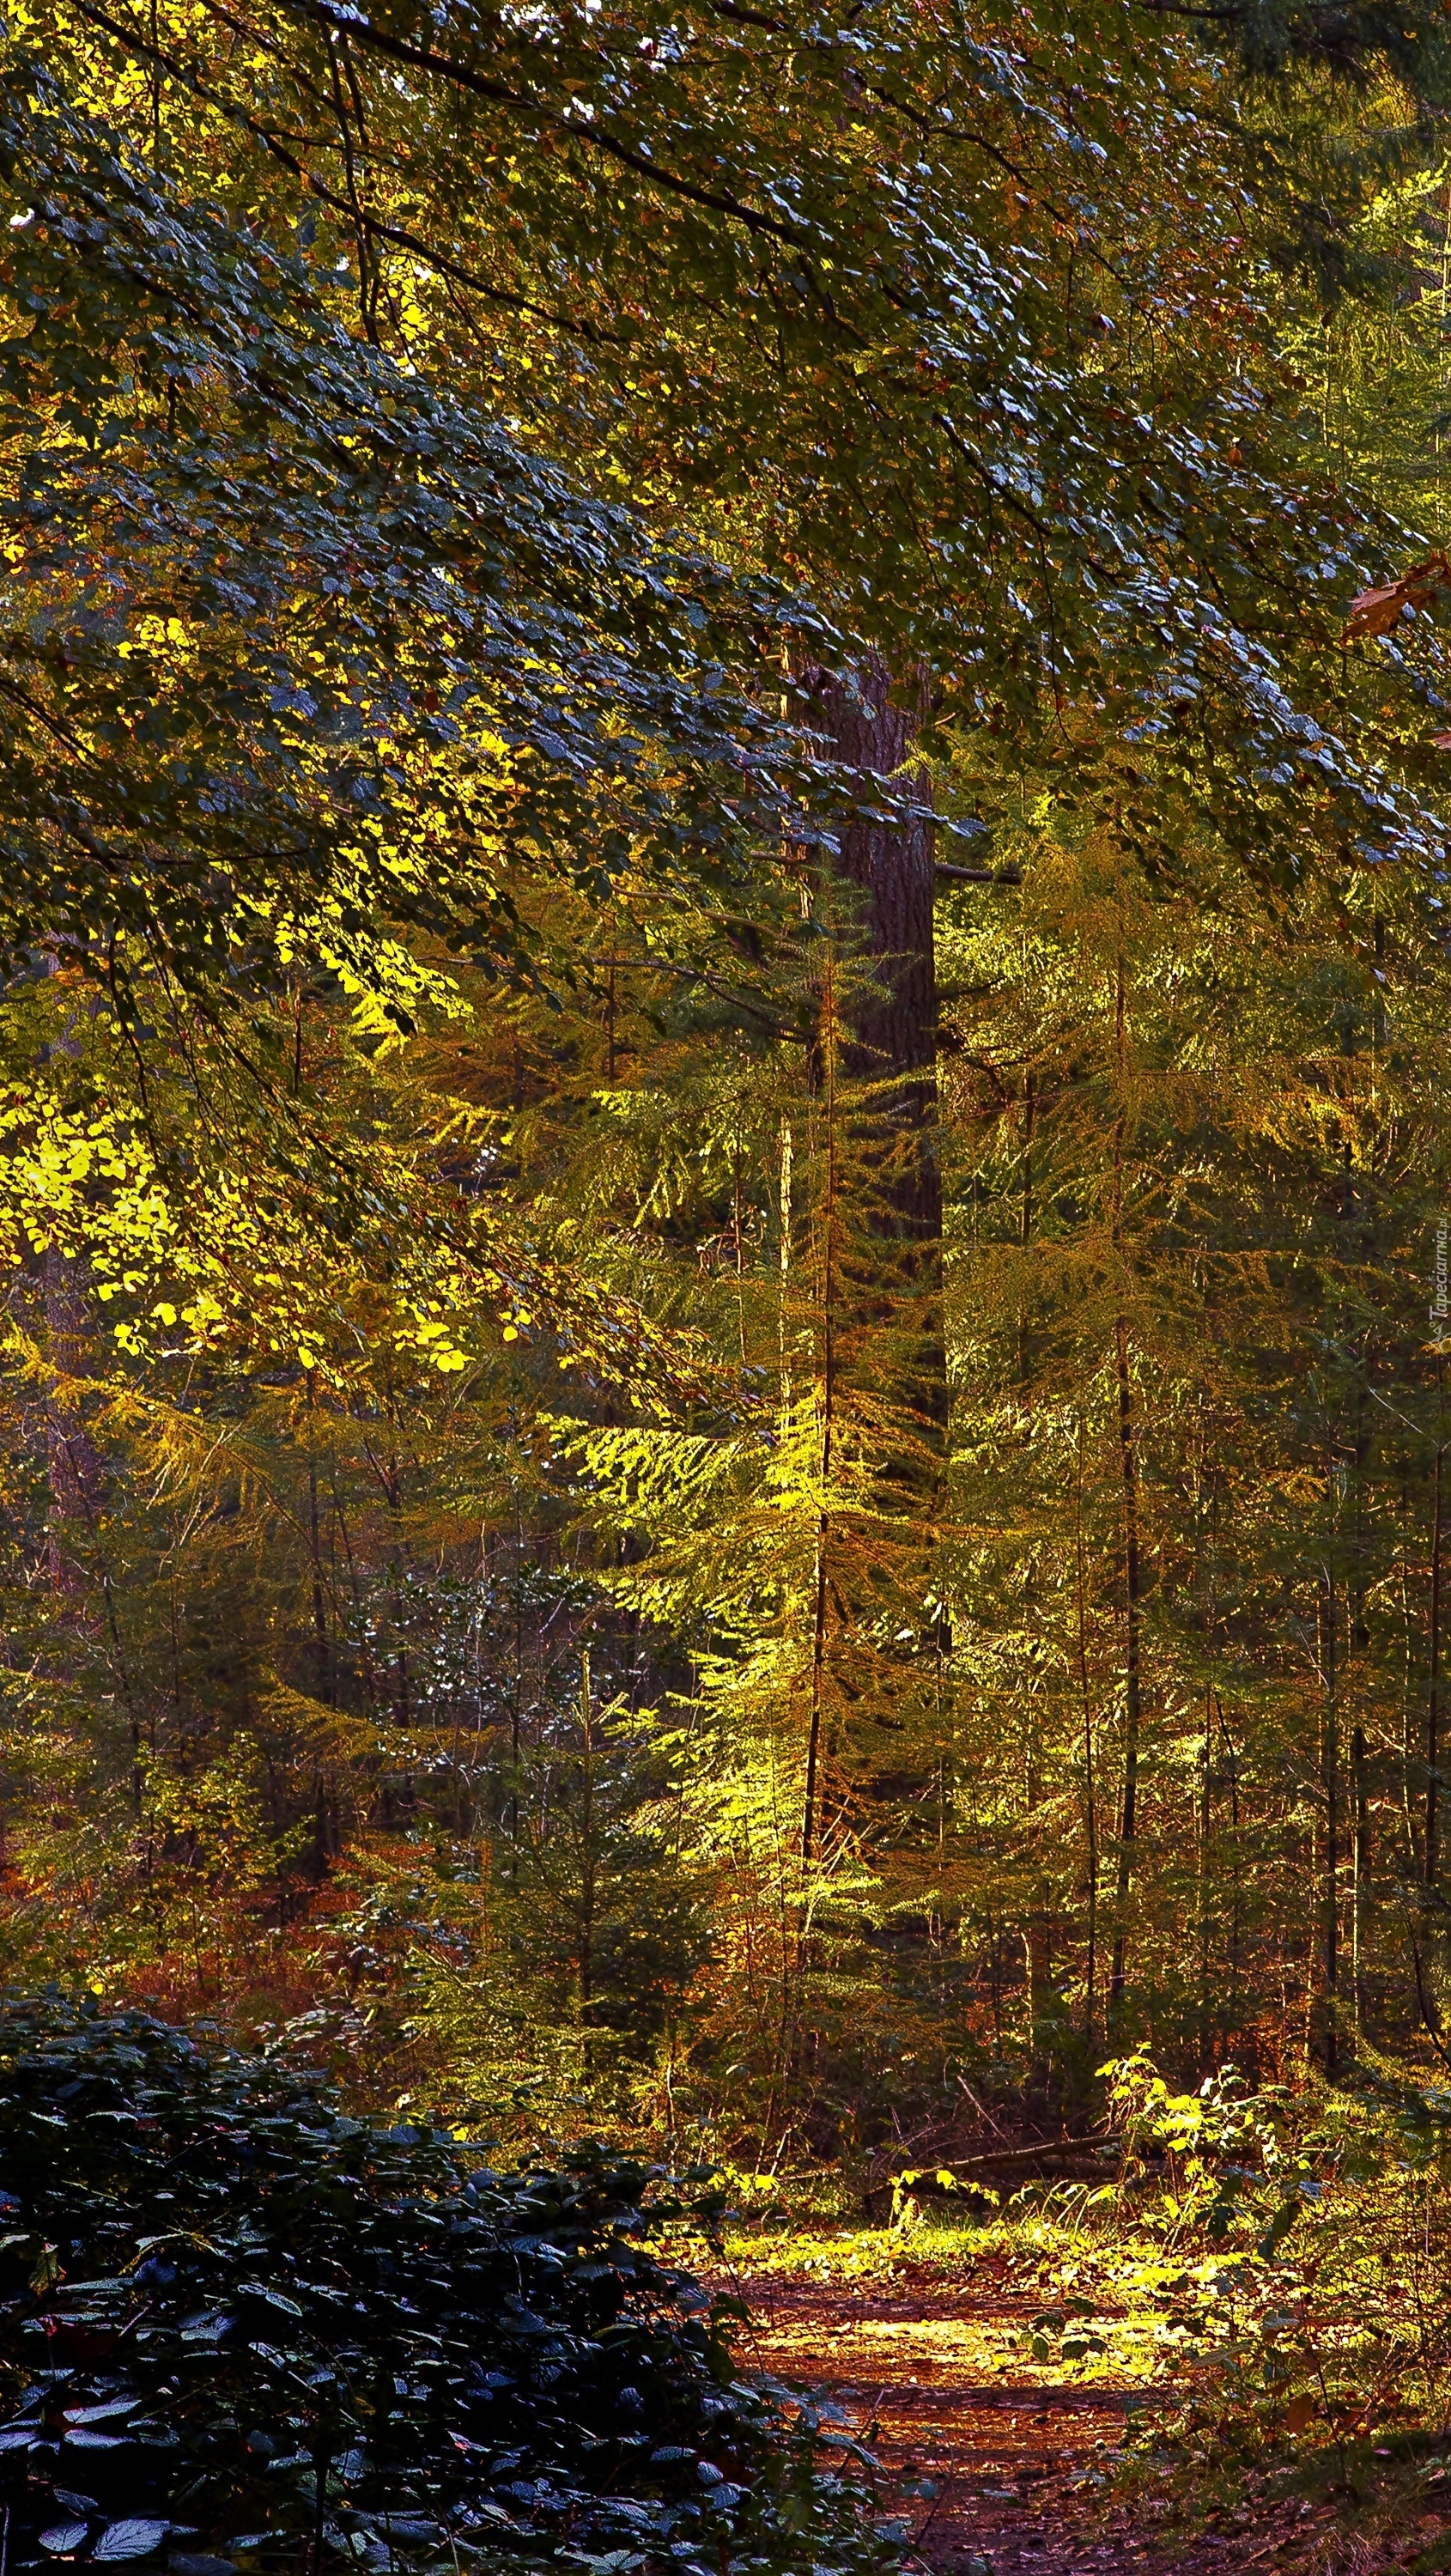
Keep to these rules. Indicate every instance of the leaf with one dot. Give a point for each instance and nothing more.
(1300, 2412)
(63, 2537)
(47, 2270)
(1376, 611)
(133, 2538)
(1277, 2230)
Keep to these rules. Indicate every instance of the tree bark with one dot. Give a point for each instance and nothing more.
(1431, 1847)
(892, 1016)
(875, 1071)
(1330, 1681)
(1128, 1447)
(1133, 1643)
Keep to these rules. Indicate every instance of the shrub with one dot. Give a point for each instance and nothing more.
(243, 2331)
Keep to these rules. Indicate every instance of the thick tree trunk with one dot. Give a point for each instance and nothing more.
(882, 1311)
(892, 1015)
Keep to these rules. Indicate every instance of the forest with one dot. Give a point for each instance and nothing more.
(725, 1183)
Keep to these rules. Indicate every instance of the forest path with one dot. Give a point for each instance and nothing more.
(922, 2367)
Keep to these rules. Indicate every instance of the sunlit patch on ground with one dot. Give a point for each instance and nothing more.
(999, 2465)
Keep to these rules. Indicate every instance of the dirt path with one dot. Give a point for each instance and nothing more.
(922, 2367)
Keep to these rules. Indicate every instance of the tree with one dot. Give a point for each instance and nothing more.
(523, 1242)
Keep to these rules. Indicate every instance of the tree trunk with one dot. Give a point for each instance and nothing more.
(875, 1073)
(1330, 1681)
(73, 1469)
(1128, 1448)
(1360, 1865)
(892, 1017)
(1133, 1644)
(1431, 1845)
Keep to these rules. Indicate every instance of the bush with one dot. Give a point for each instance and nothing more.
(245, 2332)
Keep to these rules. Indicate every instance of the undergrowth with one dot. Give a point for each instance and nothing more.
(1272, 2270)
(242, 2334)
(246, 2335)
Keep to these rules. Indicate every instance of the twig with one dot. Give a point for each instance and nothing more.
(1013, 2155)
(980, 2108)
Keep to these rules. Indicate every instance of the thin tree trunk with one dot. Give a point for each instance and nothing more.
(1235, 1898)
(1330, 1682)
(1090, 1793)
(811, 1804)
(1133, 1641)
(1431, 1829)
(1025, 1226)
(1360, 1860)
(589, 1873)
(322, 1649)
(73, 1468)
(1129, 1493)
(1202, 1890)
(1431, 1838)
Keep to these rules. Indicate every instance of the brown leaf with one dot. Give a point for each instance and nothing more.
(1299, 2413)
(1441, 741)
(1375, 611)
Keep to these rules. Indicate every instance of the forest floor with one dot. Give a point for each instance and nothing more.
(996, 2468)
